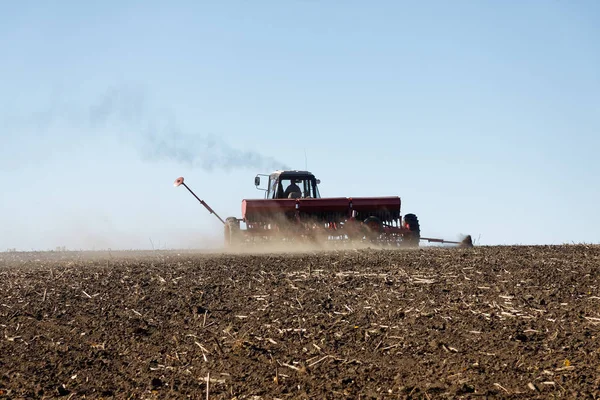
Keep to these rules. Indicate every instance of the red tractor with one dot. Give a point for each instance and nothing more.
(293, 210)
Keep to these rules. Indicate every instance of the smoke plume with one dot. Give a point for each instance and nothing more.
(159, 138)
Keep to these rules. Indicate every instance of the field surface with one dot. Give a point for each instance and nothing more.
(487, 322)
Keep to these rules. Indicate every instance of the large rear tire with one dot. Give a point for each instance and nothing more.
(413, 237)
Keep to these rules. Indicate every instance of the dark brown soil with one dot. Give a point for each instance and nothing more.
(497, 322)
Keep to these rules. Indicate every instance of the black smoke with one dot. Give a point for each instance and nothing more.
(127, 111)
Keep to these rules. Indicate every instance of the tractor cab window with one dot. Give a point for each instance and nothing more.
(272, 189)
(317, 195)
(292, 188)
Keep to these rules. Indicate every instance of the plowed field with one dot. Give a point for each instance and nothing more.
(489, 322)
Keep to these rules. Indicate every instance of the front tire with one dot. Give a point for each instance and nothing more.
(232, 232)
(373, 228)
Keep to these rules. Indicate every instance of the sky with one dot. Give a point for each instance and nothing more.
(483, 116)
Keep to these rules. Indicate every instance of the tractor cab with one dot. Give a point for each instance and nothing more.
(289, 185)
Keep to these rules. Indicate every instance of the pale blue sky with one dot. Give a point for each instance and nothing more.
(484, 116)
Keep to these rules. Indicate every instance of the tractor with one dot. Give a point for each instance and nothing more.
(293, 210)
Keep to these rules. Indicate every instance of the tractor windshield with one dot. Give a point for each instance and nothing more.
(293, 188)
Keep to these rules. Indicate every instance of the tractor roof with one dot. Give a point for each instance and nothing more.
(292, 174)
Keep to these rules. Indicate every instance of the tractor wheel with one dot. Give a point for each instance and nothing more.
(412, 238)
(373, 227)
(232, 232)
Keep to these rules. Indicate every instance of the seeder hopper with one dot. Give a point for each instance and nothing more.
(293, 210)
